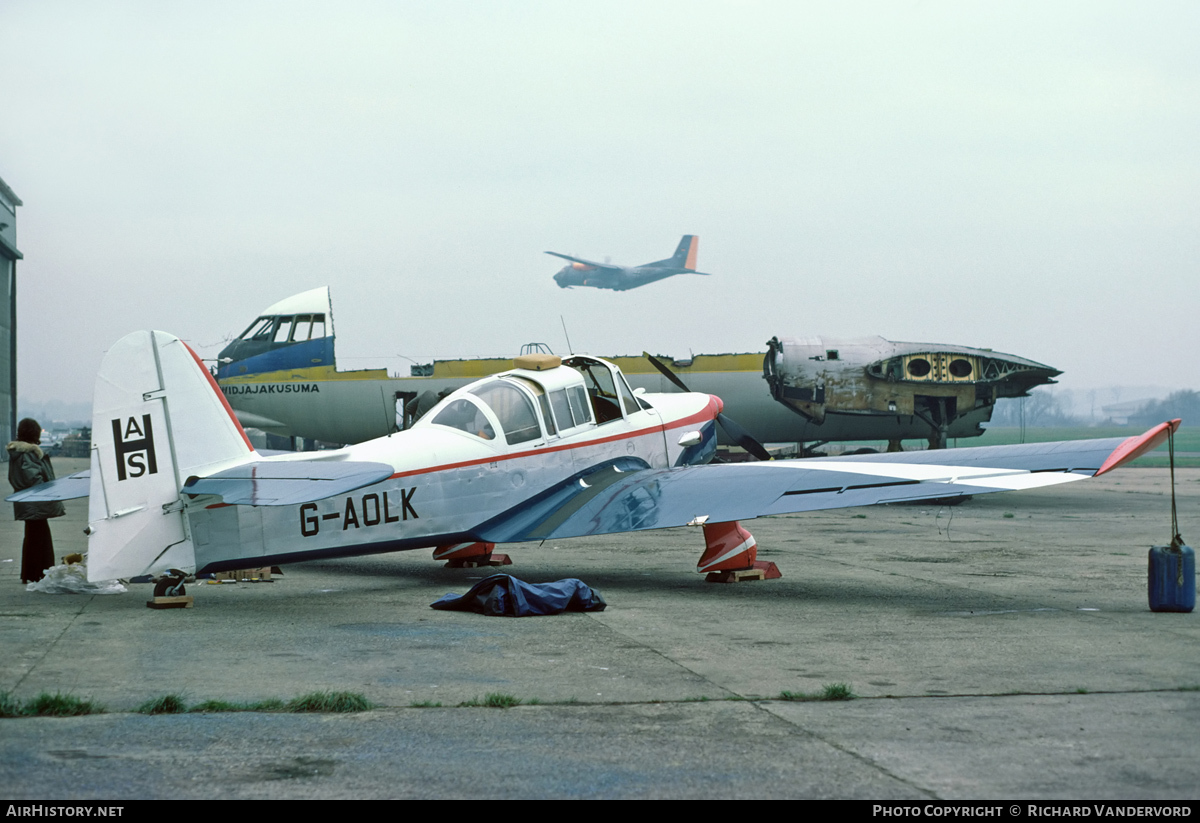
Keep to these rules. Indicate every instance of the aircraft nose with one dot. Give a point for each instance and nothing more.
(720, 403)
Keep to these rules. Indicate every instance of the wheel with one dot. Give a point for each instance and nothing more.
(169, 587)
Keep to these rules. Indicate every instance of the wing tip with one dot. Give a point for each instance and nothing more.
(1135, 447)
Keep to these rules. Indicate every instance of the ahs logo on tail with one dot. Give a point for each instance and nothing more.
(134, 445)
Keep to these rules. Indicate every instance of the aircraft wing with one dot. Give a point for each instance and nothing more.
(64, 488)
(620, 498)
(286, 483)
(591, 263)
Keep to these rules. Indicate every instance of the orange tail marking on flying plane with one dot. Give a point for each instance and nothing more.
(691, 255)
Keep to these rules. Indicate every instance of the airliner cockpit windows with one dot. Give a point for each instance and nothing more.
(308, 327)
(513, 409)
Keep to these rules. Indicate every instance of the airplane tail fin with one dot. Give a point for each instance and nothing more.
(158, 418)
(685, 254)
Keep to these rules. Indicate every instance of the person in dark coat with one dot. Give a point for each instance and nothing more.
(28, 466)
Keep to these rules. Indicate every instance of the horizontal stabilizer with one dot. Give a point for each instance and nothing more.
(287, 483)
(250, 420)
(64, 488)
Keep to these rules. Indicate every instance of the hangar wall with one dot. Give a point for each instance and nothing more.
(8, 314)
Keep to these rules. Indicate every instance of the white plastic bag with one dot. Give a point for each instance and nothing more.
(72, 579)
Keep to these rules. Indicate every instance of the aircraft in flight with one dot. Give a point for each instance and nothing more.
(550, 449)
(280, 376)
(582, 272)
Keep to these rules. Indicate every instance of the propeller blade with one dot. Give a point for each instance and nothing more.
(666, 372)
(743, 438)
(736, 433)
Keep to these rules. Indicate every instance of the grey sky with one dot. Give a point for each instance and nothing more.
(1015, 176)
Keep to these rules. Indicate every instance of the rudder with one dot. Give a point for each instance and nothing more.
(158, 418)
(685, 254)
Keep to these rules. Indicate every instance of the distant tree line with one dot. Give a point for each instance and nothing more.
(1041, 409)
(1184, 404)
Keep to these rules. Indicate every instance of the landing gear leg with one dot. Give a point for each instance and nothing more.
(937, 439)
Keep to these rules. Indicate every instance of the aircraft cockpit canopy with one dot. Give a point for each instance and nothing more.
(500, 401)
(512, 408)
(587, 393)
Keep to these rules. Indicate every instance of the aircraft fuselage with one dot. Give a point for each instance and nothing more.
(447, 482)
(622, 279)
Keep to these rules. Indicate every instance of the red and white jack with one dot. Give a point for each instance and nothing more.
(470, 555)
(730, 554)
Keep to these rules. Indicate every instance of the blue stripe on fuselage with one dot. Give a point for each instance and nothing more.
(304, 355)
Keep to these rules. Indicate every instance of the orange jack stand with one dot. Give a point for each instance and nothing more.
(470, 555)
(729, 555)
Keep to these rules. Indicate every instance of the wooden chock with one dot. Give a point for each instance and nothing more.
(470, 555)
(184, 602)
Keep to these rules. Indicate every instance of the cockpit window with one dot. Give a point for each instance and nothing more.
(466, 416)
(512, 408)
(627, 398)
(308, 327)
(570, 407)
(580, 408)
(260, 329)
(540, 393)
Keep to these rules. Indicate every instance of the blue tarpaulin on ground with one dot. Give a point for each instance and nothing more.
(503, 595)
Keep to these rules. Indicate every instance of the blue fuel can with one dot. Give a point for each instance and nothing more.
(1172, 579)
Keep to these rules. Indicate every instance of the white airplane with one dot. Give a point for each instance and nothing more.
(551, 449)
